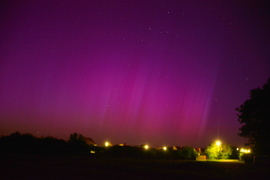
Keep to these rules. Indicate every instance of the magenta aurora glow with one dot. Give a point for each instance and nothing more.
(156, 72)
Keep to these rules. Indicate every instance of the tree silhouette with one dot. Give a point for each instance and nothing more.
(76, 137)
(254, 114)
(77, 145)
(187, 153)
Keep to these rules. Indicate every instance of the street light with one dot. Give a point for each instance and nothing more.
(146, 146)
(218, 143)
(164, 148)
(107, 144)
(246, 151)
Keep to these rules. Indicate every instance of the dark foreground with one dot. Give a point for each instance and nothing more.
(125, 168)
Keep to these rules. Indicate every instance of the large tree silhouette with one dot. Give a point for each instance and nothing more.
(254, 114)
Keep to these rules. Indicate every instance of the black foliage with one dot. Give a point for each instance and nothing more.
(27, 144)
(141, 152)
(77, 145)
(254, 114)
(235, 153)
(19, 143)
(52, 146)
(187, 153)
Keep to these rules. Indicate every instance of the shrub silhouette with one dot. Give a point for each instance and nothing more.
(77, 145)
(27, 144)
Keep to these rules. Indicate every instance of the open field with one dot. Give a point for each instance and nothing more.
(125, 168)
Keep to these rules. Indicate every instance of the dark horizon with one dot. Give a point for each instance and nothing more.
(161, 73)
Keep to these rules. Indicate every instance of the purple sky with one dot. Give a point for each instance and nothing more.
(157, 72)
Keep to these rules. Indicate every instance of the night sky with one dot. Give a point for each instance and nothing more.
(156, 72)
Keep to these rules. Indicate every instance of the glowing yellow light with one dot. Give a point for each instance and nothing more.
(245, 150)
(107, 144)
(92, 152)
(165, 148)
(146, 147)
(218, 143)
(237, 149)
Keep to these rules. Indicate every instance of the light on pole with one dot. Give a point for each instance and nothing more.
(218, 143)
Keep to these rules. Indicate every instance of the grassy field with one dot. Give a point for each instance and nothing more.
(125, 168)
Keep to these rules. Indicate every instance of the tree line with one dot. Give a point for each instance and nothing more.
(27, 144)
